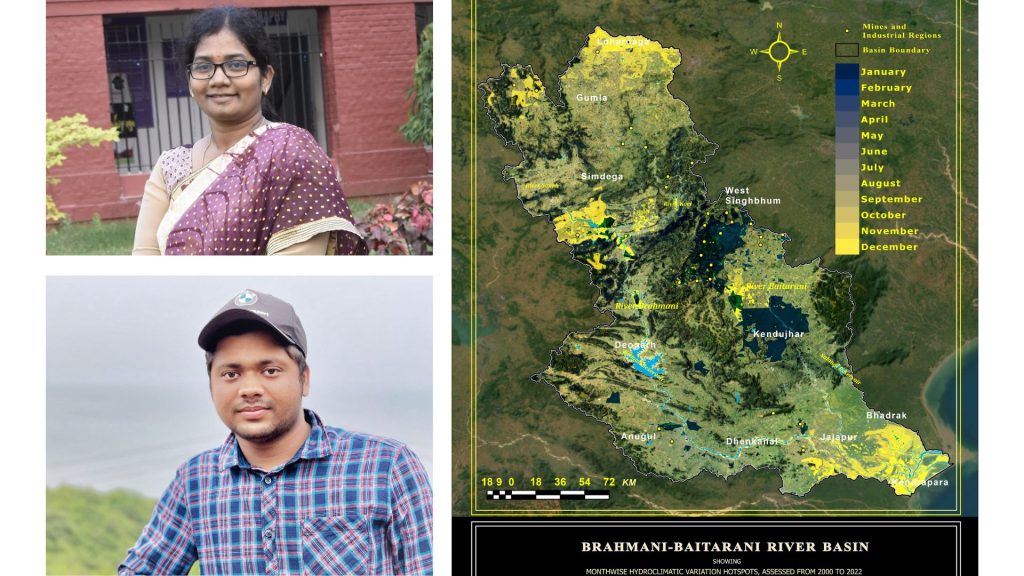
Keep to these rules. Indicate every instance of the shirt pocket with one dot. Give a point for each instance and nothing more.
(336, 545)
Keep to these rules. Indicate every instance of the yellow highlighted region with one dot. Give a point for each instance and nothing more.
(580, 226)
(735, 285)
(906, 463)
(632, 53)
(531, 91)
(588, 224)
(595, 262)
(646, 216)
(891, 453)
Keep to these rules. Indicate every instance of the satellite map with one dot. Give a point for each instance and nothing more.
(715, 258)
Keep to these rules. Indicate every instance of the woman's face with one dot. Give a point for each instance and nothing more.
(228, 100)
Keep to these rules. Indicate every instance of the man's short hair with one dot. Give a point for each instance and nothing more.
(248, 327)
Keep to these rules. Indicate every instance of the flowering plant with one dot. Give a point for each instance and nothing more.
(405, 226)
(64, 133)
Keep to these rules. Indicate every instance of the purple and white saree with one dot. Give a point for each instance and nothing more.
(274, 188)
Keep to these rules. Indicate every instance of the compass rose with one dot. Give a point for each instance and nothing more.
(779, 51)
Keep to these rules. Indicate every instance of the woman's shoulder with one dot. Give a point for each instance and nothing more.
(176, 153)
(176, 164)
(295, 140)
(290, 131)
(273, 125)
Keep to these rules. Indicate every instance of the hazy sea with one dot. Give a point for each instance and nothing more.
(123, 436)
(941, 395)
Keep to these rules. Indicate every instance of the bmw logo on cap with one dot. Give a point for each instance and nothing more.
(247, 298)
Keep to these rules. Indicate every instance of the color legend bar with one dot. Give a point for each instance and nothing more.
(847, 159)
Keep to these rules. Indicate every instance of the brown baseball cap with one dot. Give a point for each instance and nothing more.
(254, 306)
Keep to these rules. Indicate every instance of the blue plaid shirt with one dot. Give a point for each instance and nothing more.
(346, 503)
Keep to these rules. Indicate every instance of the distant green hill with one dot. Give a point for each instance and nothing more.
(89, 532)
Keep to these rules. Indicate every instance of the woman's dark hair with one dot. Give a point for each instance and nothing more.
(247, 25)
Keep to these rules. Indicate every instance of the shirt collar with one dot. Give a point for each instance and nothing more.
(317, 445)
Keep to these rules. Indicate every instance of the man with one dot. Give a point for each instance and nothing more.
(285, 494)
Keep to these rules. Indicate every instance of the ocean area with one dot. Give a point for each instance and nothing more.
(109, 436)
(940, 395)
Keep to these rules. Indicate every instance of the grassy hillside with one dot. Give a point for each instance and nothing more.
(89, 532)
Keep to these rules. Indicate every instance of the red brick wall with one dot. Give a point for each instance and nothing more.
(76, 81)
(367, 98)
(94, 7)
(370, 51)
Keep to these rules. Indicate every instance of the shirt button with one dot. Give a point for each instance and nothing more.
(268, 479)
(268, 534)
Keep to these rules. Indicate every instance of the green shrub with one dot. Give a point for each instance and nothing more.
(90, 532)
(61, 134)
(420, 127)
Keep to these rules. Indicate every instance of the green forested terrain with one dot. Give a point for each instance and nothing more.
(517, 293)
(89, 532)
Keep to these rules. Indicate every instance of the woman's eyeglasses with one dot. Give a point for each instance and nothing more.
(231, 68)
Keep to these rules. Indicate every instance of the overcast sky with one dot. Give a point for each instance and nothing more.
(127, 390)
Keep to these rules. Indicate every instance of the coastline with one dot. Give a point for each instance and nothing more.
(931, 397)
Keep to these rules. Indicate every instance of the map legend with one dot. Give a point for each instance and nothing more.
(847, 158)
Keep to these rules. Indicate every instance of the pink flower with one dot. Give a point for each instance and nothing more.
(421, 220)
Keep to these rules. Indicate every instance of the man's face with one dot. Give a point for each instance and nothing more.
(256, 387)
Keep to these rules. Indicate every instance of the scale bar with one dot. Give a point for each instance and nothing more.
(548, 495)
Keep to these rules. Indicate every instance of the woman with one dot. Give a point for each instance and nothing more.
(251, 186)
